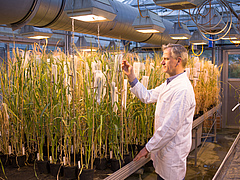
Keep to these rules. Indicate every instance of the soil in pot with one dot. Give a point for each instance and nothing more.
(100, 163)
(31, 157)
(116, 164)
(127, 158)
(17, 161)
(87, 174)
(43, 167)
(55, 169)
(70, 172)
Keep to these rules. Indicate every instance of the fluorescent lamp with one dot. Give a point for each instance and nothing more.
(179, 37)
(148, 22)
(148, 31)
(39, 37)
(200, 43)
(88, 50)
(228, 38)
(89, 18)
(236, 42)
(90, 10)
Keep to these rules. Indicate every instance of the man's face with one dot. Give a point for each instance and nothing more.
(169, 64)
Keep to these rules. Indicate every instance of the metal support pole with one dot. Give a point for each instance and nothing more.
(215, 128)
(196, 129)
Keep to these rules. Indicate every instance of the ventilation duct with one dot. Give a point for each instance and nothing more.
(178, 4)
(51, 14)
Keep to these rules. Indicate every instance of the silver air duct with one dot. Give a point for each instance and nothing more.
(50, 14)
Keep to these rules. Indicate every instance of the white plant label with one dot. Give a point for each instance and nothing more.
(79, 165)
(115, 108)
(72, 149)
(113, 92)
(23, 150)
(111, 154)
(38, 157)
(136, 141)
(64, 161)
(10, 149)
(54, 73)
(136, 69)
(83, 151)
(152, 66)
(50, 158)
(124, 101)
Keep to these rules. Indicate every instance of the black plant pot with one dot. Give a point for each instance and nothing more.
(87, 174)
(116, 164)
(17, 161)
(55, 169)
(43, 167)
(70, 172)
(101, 163)
(127, 158)
(31, 158)
(4, 158)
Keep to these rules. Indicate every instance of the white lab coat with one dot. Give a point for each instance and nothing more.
(172, 139)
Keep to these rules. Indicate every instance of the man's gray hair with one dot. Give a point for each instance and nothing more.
(177, 50)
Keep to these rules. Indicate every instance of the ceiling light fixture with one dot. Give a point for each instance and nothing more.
(148, 22)
(90, 10)
(232, 34)
(178, 4)
(35, 32)
(85, 43)
(198, 39)
(211, 21)
(179, 31)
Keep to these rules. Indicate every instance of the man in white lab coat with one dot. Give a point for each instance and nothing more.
(171, 141)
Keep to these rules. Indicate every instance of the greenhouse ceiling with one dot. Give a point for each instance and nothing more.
(56, 15)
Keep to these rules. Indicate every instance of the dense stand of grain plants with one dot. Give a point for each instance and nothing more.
(80, 107)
